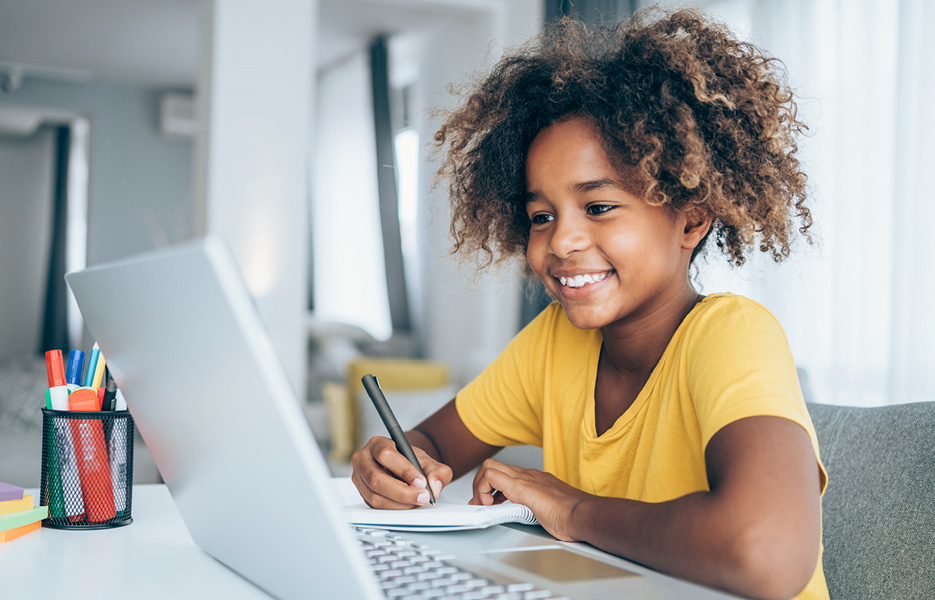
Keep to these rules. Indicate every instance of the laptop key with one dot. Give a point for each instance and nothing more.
(410, 571)
(493, 589)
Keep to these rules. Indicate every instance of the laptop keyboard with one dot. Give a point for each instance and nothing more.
(408, 571)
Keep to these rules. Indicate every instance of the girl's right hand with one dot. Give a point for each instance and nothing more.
(386, 479)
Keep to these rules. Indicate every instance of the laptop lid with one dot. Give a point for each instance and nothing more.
(211, 400)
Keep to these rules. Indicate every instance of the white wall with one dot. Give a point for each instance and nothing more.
(140, 193)
(469, 317)
(254, 89)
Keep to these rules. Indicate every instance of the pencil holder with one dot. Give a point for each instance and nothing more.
(87, 469)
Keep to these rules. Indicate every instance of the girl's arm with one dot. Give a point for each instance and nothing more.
(756, 532)
(445, 449)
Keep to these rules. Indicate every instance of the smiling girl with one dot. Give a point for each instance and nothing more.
(673, 425)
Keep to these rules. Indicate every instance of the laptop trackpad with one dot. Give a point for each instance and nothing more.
(559, 565)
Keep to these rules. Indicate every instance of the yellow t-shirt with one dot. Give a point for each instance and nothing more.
(729, 359)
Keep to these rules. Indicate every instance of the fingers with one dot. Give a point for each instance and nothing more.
(386, 479)
(493, 482)
(439, 475)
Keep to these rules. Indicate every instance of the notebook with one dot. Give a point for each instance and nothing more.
(441, 517)
(213, 403)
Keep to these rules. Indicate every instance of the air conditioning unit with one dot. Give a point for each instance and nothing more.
(177, 118)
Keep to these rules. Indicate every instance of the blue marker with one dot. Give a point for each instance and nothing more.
(75, 367)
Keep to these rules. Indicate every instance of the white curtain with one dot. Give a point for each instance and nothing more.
(859, 306)
(347, 242)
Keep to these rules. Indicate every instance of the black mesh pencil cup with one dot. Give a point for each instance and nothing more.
(87, 469)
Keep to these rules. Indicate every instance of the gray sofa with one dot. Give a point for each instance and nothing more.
(879, 508)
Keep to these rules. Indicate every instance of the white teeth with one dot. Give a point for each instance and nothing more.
(582, 280)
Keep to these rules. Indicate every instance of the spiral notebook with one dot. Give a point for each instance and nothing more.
(442, 517)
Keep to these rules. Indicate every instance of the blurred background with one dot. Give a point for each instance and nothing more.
(300, 131)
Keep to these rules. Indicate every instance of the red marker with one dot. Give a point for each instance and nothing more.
(91, 454)
(58, 392)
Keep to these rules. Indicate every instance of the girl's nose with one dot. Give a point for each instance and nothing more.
(567, 237)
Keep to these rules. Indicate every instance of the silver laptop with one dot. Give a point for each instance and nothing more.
(207, 392)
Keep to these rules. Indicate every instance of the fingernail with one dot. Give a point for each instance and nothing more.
(423, 498)
(418, 482)
(437, 487)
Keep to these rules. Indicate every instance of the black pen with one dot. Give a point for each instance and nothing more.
(110, 395)
(392, 425)
(107, 405)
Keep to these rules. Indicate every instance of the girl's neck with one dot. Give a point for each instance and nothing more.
(636, 346)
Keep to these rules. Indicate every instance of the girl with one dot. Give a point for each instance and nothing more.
(673, 426)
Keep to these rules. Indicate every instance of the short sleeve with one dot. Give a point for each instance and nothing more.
(503, 406)
(739, 366)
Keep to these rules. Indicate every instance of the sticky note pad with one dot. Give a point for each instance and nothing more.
(23, 517)
(11, 534)
(8, 491)
(12, 506)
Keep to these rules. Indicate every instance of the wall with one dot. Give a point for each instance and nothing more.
(140, 183)
(255, 85)
(25, 222)
(469, 316)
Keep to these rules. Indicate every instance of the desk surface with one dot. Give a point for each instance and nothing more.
(152, 558)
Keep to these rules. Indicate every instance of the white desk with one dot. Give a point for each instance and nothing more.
(155, 558)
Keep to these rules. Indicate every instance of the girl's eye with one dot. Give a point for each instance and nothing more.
(599, 209)
(540, 218)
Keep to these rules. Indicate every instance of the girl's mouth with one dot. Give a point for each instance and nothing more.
(580, 281)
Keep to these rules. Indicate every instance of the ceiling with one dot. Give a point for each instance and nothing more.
(154, 43)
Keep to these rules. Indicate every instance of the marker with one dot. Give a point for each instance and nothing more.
(116, 436)
(75, 367)
(121, 401)
(91, 451)
(392, 425)
(64, 466)
(92, 365)
(117, 448)
(57, 398)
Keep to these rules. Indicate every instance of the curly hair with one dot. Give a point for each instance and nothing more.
(692, 116)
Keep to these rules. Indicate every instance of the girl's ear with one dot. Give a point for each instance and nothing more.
(697, 225)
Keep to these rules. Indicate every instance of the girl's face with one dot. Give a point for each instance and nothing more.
(605, 254)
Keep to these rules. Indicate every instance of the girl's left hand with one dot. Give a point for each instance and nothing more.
(552, 500)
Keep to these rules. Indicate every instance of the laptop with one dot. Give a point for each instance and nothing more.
(213, 404)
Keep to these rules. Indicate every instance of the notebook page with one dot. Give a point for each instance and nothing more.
(442, 517)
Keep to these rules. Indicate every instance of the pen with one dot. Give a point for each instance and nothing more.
(110, 395)
(392, 425)
(98, 372)
(92, 365)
